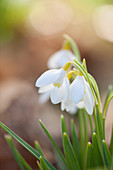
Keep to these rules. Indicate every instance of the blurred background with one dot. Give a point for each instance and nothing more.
(30, 32)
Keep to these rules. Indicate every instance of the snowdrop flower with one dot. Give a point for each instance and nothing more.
(60, 58)
(55, 84)
(81, 94)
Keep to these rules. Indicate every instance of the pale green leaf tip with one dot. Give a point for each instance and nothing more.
(7, 136)
(65, 134)
(103, 141)
(36, 142)
(62, 116)
(40, 121)
(94, 133)
(89, 143)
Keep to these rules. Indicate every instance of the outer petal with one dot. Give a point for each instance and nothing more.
(88, 99)
(57, 95)
(45, 88)
(60, 58)
(48, 77)
(44, 97)
(77, 89)
(66, 85)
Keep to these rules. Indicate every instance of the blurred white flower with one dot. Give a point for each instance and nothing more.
(54, 83)
(81, 94)
(60, 58)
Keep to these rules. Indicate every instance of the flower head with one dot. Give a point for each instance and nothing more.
(54, 83)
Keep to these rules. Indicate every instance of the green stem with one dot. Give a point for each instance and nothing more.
(91, 124)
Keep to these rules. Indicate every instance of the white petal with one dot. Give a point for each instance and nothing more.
(60, 58)
(88, 99)
(67, 89)
(45, 88)
(80, 105)
(44, 97)
(77, 89)
(48, 77)
(60, 79)
(57, 95)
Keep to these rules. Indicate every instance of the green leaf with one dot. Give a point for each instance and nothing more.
(89, 156)
(75, 140)
(107, 155)
(82, 148)
(10, 142)
(85, 126)
(54, 144)
(43, 164)
(63, 124)
(96, 152)
(37, 146)
(25, 144)
(112, 163)
(74, 46)
(110, 88)
(69, 153)
(107, 103)
(111, 142)
(39, 165)
(99, 121)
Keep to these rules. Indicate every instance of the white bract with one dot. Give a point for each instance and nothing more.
(54, 84)
(60, 58)
(81, 94)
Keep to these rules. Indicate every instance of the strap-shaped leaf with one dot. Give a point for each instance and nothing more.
(43, 164)
(89, 156)
(111, 142)
(69, 153)
(98, 162)
(75, 140)
(26, 145)
(54, 144)
(107, 155)
(10, 142)
(38, 148)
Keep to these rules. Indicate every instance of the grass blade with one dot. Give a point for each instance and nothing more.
(69, 153)
(89, 156)
(26, 145)
(54, 144)
(37, 146)
(107, 155)
(43, 164)
(111, 142)
(10, 142)
(96, 152)
(75, 140)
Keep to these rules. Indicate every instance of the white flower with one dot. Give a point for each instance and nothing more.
(55, 84)
(81, 94)
(60, 58)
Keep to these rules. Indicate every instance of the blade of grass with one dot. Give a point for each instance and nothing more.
(96, 152)
(111, 142)
(82, 149)
(63, 124)
(54, 144)
(43, 164)
(37, 146)
(69, 153)
(89, 156)
(75, 140)
(107, 155)
(25, 144)
(10, 142)
(85, 127)
(39, 165)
